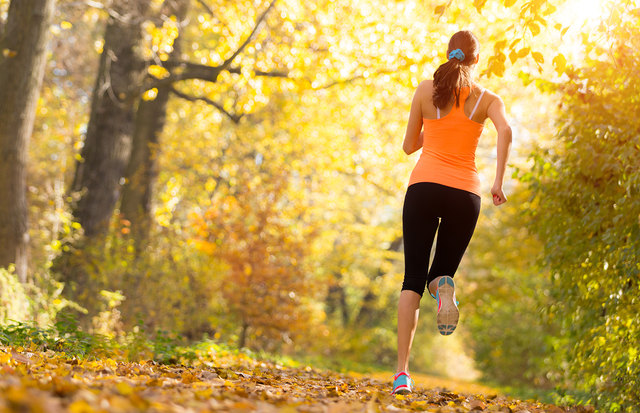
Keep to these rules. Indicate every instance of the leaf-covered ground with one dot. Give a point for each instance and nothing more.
(48, 381)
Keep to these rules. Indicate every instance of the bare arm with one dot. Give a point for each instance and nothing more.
(496, 112)
(413, 136)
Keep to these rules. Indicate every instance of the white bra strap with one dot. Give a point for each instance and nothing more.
(438, 112)
(477, 103)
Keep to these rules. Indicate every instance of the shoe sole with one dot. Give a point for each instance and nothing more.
(402, 391)
(449, 314)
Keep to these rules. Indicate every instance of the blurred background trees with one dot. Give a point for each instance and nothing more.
(22, 66)
(233, 169)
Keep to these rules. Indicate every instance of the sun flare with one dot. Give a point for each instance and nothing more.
(579, 13)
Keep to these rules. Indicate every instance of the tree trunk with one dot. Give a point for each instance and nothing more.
(142, 168)
(105, 154)
(22, 62)
(337, 302)
(142, 171)
(107, 145)
(242, 341)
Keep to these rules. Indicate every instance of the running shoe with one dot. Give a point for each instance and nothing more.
(448, 313)
(402, 383)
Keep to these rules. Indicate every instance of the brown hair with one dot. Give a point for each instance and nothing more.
(455, 74)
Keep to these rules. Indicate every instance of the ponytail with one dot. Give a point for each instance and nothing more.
(455, 74)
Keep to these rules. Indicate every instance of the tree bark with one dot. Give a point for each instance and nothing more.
(107, 146)
(337, 302)
(142, 168)
(242, 341)
(22, 62)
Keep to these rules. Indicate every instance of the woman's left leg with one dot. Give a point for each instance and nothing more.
(408, 310)
(419, 225)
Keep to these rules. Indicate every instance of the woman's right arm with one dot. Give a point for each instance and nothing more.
(498, 116)
(413, 136)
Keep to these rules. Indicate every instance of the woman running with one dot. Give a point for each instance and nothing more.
(444, 188)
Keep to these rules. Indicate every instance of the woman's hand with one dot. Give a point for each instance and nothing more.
(498, 196)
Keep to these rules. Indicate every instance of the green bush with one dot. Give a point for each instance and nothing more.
(169, 285)
(504, 296)
(36, 302)
(586, 211)
(14, 304)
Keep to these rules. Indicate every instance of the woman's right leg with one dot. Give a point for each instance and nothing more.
(458, 220)
(459, 217)
(419, 225)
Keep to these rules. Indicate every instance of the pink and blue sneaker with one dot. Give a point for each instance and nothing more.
(448, 313)
(402, 383)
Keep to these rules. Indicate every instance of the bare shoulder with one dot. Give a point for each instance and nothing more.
(425, 87)
(496, 110)
(427, 83)
(492, 98)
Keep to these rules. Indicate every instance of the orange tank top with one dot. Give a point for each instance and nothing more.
(449, 149)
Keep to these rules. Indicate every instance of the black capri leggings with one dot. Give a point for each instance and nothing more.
(429, 207)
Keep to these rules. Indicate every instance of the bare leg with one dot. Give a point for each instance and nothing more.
(408, 310)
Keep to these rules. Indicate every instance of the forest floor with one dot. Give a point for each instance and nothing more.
(32, 380)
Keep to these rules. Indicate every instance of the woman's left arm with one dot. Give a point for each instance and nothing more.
(414, 135)
(497, 114)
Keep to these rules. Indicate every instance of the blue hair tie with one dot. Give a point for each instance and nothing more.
(458, 54)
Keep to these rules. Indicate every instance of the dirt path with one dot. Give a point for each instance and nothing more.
(50, 382)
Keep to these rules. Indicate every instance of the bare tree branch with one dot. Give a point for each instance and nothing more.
(182, 70)
(235, 118)
(207, 8)
(228, 62)
(275, 73)
(198, 70)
